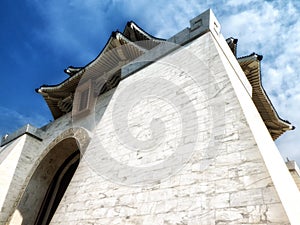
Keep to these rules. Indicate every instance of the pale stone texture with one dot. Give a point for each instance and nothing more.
(295, 172)
(21, 160)
(24, 158)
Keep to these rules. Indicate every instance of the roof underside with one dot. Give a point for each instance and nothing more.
(251, 67)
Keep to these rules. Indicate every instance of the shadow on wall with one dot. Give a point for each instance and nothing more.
(48, 184)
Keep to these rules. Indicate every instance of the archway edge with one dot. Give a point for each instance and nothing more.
(79, 134)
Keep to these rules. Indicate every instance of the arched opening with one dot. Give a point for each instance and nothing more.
(49, 183)
(57, 188)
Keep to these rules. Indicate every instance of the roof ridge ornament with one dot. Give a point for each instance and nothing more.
(72, 70)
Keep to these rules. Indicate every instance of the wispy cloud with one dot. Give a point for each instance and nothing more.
(73, 26)
(91, 19)
(11, 120)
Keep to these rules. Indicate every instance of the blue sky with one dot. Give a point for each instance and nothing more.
(40, 38)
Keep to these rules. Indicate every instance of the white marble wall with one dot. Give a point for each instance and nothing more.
(225, 182)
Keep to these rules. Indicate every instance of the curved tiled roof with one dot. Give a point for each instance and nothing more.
(134, 42)
(251, 67)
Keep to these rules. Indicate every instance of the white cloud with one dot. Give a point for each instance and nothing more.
(11, 120)
(253, 26)
(93, 16)
(73, 26)
(236, 3)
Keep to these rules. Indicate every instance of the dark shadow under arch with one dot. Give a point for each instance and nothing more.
(57, 189)
(49, 182)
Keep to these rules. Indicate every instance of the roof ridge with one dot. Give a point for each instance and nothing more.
(252, 55)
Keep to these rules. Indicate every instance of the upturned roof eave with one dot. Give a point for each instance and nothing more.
(53, 93)
(281, 124)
